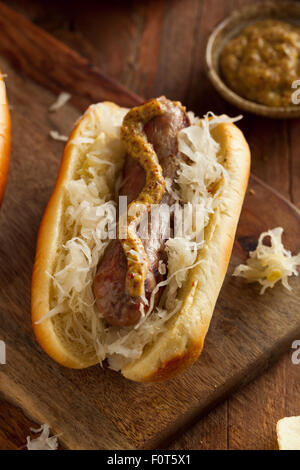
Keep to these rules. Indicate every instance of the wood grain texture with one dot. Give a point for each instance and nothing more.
(86, 83)
(13, 429)
(111, 36)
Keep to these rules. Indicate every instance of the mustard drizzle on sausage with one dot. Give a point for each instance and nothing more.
(137, 146)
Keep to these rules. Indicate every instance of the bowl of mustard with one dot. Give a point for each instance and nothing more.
(253, 58)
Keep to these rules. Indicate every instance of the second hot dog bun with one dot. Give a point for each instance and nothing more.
(181, 341)
(5, 137)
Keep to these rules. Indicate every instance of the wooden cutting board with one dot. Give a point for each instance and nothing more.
(96, 408)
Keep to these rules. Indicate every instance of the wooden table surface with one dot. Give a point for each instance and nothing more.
(157, 47)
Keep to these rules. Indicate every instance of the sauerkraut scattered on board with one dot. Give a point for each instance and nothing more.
(43, 441)
(61, 100)
(269, 264)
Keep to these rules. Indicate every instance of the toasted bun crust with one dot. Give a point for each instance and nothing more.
(180, 345)
(5, 137)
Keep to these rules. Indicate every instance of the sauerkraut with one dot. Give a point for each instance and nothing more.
(269, 264)
(61, 100)
(43, 441)
(55, 135)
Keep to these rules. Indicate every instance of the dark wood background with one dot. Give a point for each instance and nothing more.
(155, 47)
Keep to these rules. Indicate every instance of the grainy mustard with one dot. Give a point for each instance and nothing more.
(137, 146)
(262, 62)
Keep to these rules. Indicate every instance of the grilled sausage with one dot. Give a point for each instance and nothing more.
(113, 302)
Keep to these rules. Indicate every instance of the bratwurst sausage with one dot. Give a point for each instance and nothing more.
(112, 299)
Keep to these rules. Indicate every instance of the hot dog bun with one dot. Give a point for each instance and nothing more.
(5, 138)
(181, 343)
